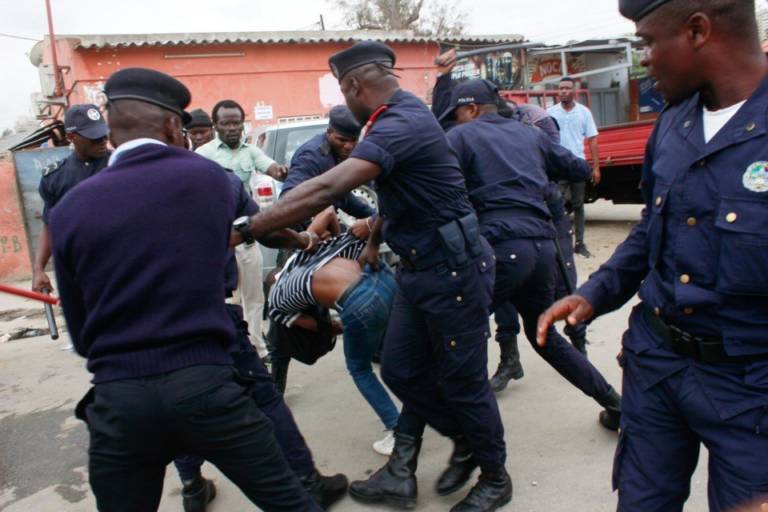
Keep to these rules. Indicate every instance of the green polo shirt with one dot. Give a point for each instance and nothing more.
(243, 160)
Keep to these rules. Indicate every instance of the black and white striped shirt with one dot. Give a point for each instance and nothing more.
(292, 292)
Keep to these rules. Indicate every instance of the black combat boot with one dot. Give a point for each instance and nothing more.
(492, 491)
(280, 374)
(610, 417)
(460, 467)
(509, 365)
(326, 490)
(395, 483)
(197, 494)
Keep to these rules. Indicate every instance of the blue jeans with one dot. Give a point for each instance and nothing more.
(364, 315)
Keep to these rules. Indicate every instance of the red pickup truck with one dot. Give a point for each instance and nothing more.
(622, 149)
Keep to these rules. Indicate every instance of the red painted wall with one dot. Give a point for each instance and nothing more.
(14, 253)
(286, 76)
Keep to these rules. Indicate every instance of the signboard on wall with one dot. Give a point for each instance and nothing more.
(500, 67)
(263, 113)
(544, 67)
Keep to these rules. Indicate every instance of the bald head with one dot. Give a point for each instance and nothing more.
(731, 19)
(367, 87)
(133, 119)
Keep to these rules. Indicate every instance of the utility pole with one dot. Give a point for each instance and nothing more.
(59, 85)
(322, 23)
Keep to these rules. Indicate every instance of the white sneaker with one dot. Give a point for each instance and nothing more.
(386, 445)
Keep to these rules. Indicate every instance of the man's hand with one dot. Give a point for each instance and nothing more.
(370, 256)
(446, 61)
(361, 229)
(278, 172)
(40, 281)
(574, 308)
(596, 176)
(310, 240)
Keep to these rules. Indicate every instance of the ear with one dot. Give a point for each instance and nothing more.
(172, 131)
(474, 110)
(71, 137)
(699, 29)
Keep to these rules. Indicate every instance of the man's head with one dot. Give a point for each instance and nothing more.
(87, 131)
(566, 88)
(200, 128)
(343, 131)
(146, 103)
(366, 77)
(471, 99)
(687, 39)
(229, 119)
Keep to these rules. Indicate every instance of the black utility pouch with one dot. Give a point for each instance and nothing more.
(452, 239)
(471, 228)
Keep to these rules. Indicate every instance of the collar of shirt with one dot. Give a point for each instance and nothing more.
(132, 144)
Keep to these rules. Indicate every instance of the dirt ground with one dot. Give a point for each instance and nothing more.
(558, 456)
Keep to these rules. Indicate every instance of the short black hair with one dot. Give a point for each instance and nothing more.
(567, 79)
(226, 104)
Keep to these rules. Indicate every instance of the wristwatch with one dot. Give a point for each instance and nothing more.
(243, 226)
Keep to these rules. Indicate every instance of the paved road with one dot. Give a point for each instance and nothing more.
(558, 455)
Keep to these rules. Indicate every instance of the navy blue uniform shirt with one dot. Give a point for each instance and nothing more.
(699, 256)
(421, 186)
(60, 178)
(508, 166)
(312, 159)
(245, 206)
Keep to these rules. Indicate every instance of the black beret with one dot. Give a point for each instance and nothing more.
(149, 86)
(341, 120)
(362, 53)
(638, 9)
(200, 119)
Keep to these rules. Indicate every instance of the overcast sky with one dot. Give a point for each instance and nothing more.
(551, 21)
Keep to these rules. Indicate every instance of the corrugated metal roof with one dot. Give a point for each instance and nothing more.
(97, 41)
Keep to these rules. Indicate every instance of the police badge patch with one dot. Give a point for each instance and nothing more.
(756, 177)
(93, 114)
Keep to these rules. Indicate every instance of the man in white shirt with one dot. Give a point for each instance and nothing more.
(576, 124)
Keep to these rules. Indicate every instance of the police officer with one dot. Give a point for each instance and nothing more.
(435, 351)
(199, 128)
(695, 357)
(139, 266)
(323, 152)
(87, 132)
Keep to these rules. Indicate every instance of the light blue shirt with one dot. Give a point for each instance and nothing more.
(575, 126)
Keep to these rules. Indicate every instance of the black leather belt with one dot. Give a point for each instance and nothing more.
(700, 348)
(431, 260)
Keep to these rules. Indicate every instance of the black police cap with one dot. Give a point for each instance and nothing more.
(200, 119)
(362, 53)
(149, 86)
(341, 120)
(477, 91)
(85, 120)
(639, 9)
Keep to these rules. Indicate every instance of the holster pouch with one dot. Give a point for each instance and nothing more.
(83, 404)
(471, 228)
(454, 245)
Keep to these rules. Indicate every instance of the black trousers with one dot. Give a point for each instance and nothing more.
(137, 426)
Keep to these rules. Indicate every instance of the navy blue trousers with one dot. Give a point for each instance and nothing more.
(525, 279)
(269, 402)
(672, 405)
(435, 356)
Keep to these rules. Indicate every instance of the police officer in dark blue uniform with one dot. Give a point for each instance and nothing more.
(87, 131)
(695, 357)
(140, 269)
(435, 352)
(323, 152)
(508, 167)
